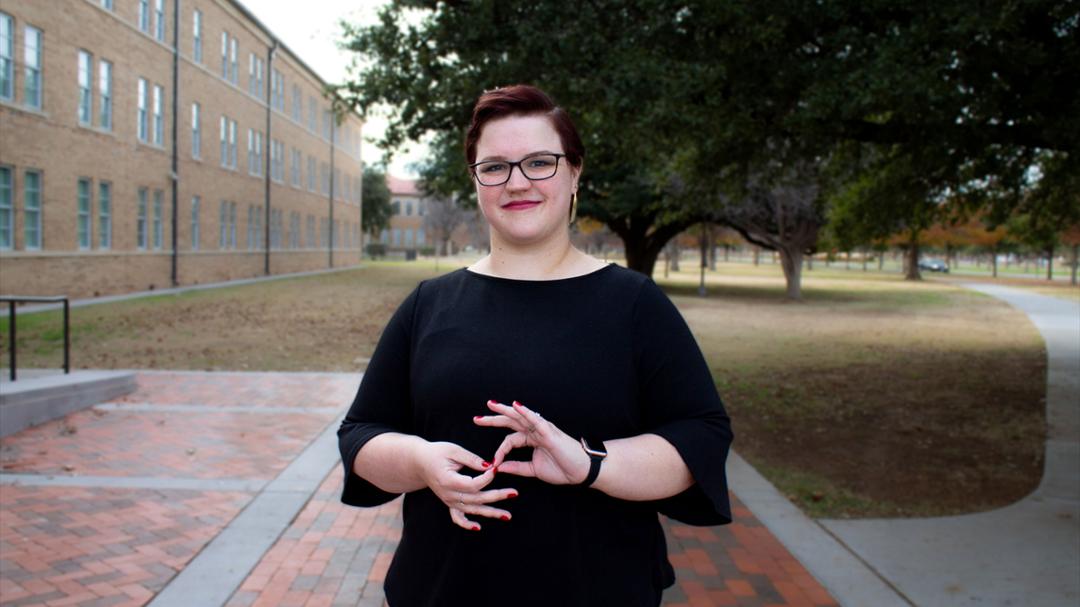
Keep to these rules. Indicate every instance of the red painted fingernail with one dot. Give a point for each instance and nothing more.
(476, 528)
(504, 517)
(486, 464)
(491, 402)
(496, 470)
(517, 404)
(512, 495)
(478, 417)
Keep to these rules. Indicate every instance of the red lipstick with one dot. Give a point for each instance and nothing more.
(520, 205)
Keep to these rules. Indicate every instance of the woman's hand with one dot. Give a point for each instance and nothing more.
(439, 466)
(557, 457)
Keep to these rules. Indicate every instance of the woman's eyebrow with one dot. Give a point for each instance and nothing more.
(505, 159)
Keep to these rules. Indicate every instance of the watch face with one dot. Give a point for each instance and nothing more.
(587, 446)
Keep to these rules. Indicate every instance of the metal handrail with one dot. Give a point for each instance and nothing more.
(12, 300)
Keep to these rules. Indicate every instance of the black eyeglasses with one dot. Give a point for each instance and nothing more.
(534, 168)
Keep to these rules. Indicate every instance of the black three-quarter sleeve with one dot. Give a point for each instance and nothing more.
(680, 403)
(382, 403)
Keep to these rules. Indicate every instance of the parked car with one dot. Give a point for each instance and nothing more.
(934, 265)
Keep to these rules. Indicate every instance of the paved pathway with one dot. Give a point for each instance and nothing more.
(208, 489)
(1025, 554)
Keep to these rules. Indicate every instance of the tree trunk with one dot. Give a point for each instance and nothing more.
(640, 256)
(792, 264)
(1050, 263)
(912, 270)
(993, 259)
(865, 259)
(757, 255)
(881, 261)
(727, 252)
(1075, 262)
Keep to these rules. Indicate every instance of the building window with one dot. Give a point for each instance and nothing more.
(228, 143)
(255, 152)
(32, 210)
(277, 160)
(225, 55)
(408, 209)
(159, 20)
(32, 85)
(105, 91)
(311, 173)
(232, 144)
(196, 131)
(309, 238)
(223, 220)
(294, 169)
(104, 215)
(326, 124)
(312, 114)
(85, 76)
(144, 15)
(277, 84)
(251, 227)
(233, 52)
(159, 116)
(196, 30)
(143, 117)
(83, 222)
(297, 103)
(255, 76)
(408, 238)
(294, 230)
(142, 234)
(196, 202)
(232, 225)
(107, 4)
(7, 210)
(397, 237)
(7, 55)
(420, 237)
(159, 204)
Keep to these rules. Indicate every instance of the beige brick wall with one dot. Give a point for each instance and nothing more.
(53, 142)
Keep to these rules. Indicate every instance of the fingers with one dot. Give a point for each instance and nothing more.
(517, 417)
(476, 504)
(464, 457)
(513, 441)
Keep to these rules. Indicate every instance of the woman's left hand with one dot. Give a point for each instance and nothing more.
(557, 457)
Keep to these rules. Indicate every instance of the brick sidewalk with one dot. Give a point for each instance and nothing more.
(102, 532)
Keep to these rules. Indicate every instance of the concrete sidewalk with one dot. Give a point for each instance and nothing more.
(210, 489)
(1025, 554)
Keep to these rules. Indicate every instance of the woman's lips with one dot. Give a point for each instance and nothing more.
(520, 205)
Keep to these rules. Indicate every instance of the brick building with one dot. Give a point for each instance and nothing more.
(406, 229)
(152, 143)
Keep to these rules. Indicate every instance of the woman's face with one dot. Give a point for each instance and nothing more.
(522, 211)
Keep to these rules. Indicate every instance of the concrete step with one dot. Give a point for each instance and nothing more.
(39, 398)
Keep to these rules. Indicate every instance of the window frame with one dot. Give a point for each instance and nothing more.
(142, 232)
(196, 130)
(7, 57)
(36, 210)
(159, 115)
(33, 79)
(104, 215)
(196, 36)
(196, 203)
(84, 71)
(7, 208)
(158, 225)
(84, 211)
(142, 95)
(105, 94)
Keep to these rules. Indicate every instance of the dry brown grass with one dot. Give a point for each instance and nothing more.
(872, 397)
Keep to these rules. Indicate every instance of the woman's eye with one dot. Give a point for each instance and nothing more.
(539, 163)
(494, 167)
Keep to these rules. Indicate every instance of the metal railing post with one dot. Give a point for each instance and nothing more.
(11, 336)
(67, 337)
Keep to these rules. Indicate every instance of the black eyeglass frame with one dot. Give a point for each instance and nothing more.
(510, 173)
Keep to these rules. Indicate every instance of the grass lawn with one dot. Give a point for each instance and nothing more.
(873, 397)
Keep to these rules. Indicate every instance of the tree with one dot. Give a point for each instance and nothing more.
(441, 218)
(376, 202)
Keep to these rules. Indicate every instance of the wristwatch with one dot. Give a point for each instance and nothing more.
(595, 450)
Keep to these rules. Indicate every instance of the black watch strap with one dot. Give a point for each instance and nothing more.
(595, 450)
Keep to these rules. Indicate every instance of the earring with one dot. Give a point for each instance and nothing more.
(573, 207)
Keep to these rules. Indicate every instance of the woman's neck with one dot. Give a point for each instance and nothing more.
(549, 261)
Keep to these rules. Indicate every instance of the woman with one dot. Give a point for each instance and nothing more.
(537, 408)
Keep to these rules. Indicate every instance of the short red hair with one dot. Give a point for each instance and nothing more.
(523, 100)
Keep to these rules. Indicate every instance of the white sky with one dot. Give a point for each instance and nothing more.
(310, 29)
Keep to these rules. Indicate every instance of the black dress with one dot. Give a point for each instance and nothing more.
(603, 355)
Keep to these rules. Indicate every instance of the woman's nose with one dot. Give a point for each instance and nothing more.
(518, 180)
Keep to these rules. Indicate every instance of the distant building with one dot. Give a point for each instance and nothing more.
(147, 143)
(406, 229)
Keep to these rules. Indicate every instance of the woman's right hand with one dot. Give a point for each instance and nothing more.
(439, 467)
